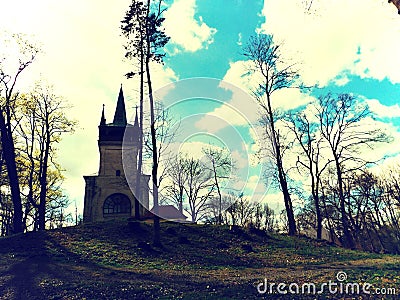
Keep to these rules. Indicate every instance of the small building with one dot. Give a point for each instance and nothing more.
(110, 193)
(167, 212)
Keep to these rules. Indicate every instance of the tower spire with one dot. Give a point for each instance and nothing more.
(103, 118)
(120, 112)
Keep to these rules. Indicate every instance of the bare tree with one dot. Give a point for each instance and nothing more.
(340, 125)
(276, 75)
(241, 210)
(150, 39)
(221, 165)
(6, 209)
(43, 121)
(177, 179)
(134, 29)
(166, 129)
(8, 81)
(366, 206)
(6, 214)
(231, 211)
(270, 223)
(389, 182)
(214, 215)
(198, 187)
(311, 144)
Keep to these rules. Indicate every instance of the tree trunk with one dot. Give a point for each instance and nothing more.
(180, 205)
(9, 157)
(281, 174)
(43, 180)
(156, 238)
(288, 206)
(318, 217)
(138, 192)
(315, 194)
(348, 238)
(219, 219)
(315, 179)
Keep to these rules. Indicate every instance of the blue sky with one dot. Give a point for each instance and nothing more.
(341, 45)
(233, 22)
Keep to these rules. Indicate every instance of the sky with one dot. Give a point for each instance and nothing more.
(340, 46)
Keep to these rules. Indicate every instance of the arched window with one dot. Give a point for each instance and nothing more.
(117, 204)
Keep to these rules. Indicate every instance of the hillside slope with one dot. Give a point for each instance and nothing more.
(110, 261)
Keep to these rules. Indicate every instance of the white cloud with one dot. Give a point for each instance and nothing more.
(380, 150)
(242, 109)
(391, 111)
(212, 124)
(255, 183)
(193, 149)
(288, 99)
(187, 32)
(237, 75)
(253, 187)
(341, 80)
(389, 163)
(275, 202)
(360, 35)
(240, 161)
(241, 83)
(221, 117)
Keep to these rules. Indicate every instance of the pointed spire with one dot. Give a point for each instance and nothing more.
(103, 118)
(136, 124)
(120, 112)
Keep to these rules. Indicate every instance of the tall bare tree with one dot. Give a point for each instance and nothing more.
(177, 177)
(276, 75)
(8, 94)
(134, 29)
(311, 159)
(340, 125)
(166, 130)
(43, 121)
(144, 27)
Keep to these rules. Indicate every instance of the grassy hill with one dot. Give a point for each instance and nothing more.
(110, 261)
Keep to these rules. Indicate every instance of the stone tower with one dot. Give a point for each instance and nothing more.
(107, 194)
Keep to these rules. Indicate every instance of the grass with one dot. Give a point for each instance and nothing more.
(110, 261)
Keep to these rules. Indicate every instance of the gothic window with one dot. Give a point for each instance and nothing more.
(117, 204)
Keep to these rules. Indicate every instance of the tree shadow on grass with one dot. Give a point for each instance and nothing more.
(63, 265)
(52, 271)
(30, 267)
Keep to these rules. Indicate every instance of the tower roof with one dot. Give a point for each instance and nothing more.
(103, 118)
(120, 112)
(119, 130)
(136, 124)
